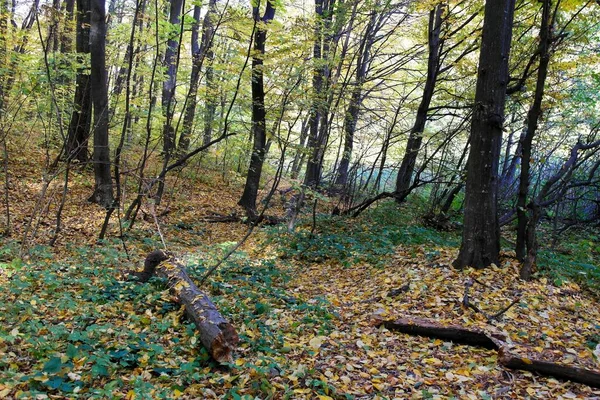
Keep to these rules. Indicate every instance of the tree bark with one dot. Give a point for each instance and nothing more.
(79, 126)
(66, 41)
(259, 133)
(168, 89)
(217, 334)
(352, 113)
(532, 122)
(200, 51)
(318, 120)
(481, 233)
(103, 191)
(415, 138)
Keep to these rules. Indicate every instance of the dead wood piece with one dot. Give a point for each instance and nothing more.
(566, 372)
(217, 335)
(492, 340)
(398, 291)
(468, 304)
(233, 217)
(455, 333)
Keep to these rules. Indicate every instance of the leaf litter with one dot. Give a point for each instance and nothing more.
(72, 327)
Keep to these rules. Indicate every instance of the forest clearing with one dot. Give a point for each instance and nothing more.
(328, 199)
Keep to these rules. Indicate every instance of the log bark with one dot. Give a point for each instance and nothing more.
(495, 341)
(217, 334)
(455, 333)
(566, 372)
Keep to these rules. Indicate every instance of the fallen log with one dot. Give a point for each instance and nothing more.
(234, 217)
(565, 372)
(217, 335)
(455, 333)
(491, 340)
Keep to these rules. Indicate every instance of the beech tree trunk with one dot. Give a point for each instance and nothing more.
(532, 122)
(200, 51)
(168, 89)
(352, 113)
(217, 334)
(415, 138)
(481, 230)
(103, 191)
(79, 126)
(318, 121)
(259, 133)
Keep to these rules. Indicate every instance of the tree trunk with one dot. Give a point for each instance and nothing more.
(168, 89)
(200, 51)
(210, 99)
(312, 168)
(217, 334)
(532, 122)
(79, 126)
(66, 41)
(103, 191)
(248, 200)
(351, 117)
(415, 138)
(300, 154)
(481, 231)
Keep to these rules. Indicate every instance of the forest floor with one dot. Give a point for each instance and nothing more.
(304, 305)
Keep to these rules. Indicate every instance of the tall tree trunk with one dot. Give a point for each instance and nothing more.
(168, 89)
(532, 122)
(210, 99)
(248, 200)
(312, 168)
(200, 51)
(79, 126)
(66, 42)
(103, 191)
(300, 154)
(53, 30)
(481, 231)
(415, 138)
(351, 117)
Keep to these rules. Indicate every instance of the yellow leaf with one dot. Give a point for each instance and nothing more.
(527, 361)
(316, 342)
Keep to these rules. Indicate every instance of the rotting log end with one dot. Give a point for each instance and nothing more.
(224, 343)
(152, 261)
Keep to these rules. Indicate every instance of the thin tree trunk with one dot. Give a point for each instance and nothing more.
(300, 154)
(415, 138)
(66, 41)
(168, 89)
(103, 191)
(248, 200)
(79, 126)
(532, 122)
(351, 116)
(200, 51)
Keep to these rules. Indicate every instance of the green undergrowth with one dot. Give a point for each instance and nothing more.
(76, 328)
(576, 258)
(367, 239)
